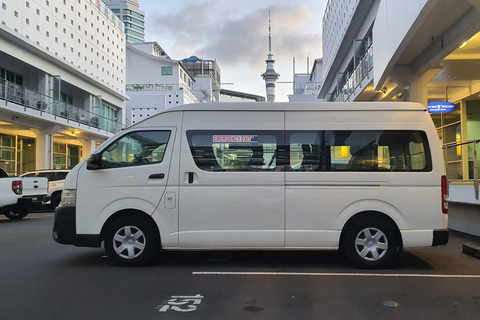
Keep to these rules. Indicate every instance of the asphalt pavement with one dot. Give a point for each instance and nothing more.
(41, 279)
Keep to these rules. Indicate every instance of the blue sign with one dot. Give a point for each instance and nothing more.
(441, 107)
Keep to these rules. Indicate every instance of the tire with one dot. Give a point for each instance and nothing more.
(16, 212)
(370, 244)
(55, 201)
(131, 242)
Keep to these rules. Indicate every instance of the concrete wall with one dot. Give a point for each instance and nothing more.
(395, 20)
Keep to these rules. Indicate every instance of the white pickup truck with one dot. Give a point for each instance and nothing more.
(18, 195)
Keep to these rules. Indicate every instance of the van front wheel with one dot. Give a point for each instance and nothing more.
(370, 244)
(131, 241)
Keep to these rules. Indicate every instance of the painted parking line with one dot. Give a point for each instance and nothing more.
(391, 275)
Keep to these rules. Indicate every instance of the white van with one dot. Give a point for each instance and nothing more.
(366, 178)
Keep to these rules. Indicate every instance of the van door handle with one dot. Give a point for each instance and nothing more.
(190, 177)
(157, 176)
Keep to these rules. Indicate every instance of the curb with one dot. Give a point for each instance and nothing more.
(471, 249)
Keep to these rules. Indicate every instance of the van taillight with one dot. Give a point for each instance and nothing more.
(444, 195)
(17, 187)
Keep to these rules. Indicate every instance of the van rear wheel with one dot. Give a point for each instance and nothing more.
(131, 242)
(370, 244)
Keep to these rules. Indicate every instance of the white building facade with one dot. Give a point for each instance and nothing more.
(62, 81)
(155, 82)
(416, 50)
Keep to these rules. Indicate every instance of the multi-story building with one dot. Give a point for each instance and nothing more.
(62, 81)
(418, 50)
(306, 86)
(129, 12)
(207, 78)
(155, 82)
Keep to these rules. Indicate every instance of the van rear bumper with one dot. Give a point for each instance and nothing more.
(64, 229)
(440, 237)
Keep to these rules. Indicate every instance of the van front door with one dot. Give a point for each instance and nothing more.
(231, 180)
(133, 175)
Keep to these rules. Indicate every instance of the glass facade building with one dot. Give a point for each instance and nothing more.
(133, 18)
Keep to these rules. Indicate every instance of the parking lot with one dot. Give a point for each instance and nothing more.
(41, 279)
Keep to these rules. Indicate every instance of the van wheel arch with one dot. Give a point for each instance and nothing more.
(55, 199)
(372, 216)
(131, 213)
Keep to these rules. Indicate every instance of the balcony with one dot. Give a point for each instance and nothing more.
(11, 92)
(157, 87)
(362, 70)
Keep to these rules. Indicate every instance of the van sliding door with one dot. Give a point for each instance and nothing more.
(232, 180)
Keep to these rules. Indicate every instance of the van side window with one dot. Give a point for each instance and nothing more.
(305, 151)
(365, 150)
(136, 148)
(236, 150)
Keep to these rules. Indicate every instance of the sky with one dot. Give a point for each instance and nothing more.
(235, 34)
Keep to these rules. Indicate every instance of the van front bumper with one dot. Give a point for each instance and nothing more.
(64, 229)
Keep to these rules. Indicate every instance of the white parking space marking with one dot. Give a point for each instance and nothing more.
(392, 275)
(181, 303)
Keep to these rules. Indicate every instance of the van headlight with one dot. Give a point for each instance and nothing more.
(69, 198)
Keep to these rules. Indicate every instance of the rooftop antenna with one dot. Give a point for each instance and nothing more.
(269, 34)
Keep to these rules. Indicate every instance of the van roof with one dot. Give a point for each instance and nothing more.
(305, 106)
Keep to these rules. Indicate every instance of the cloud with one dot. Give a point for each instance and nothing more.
(239, 41)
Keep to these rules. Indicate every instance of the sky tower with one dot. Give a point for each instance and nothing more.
(270, 76)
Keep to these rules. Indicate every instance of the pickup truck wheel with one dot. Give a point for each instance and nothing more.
(16, 213)
(131, 242)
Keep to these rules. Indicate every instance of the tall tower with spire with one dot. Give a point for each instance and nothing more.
(270, 76)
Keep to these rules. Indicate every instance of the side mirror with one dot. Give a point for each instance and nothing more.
(94, 162)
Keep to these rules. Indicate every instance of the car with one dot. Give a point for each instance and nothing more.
(367, 179)
(18, 195)
(56, 180)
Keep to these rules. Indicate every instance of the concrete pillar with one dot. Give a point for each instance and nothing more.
(88, 146)
(44, 146)
(43, 149)
(418, 86)
(417, 83)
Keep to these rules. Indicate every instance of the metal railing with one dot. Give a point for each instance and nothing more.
(361, 72)
(11, 92)
(475, 162)
(151, 87)
(102, 7)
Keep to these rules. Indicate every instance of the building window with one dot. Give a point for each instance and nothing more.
(27, 21)
(167, 71)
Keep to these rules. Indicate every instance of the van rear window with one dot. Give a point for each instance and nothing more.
(364, 150)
